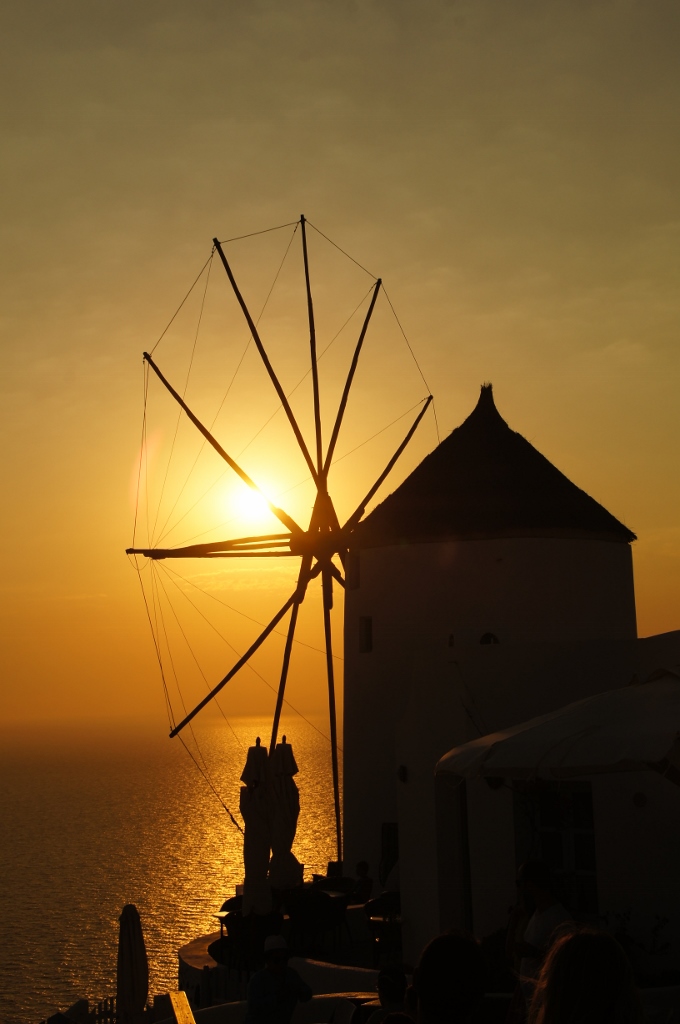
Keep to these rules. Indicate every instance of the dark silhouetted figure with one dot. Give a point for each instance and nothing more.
(363, 887)
(586, 979)
(274, 992)
(449, 980)
(391, 992)
(411, 1003)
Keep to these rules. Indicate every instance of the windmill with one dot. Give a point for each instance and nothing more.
(317, 545)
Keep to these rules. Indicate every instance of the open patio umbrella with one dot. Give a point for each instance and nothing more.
(634, 728)
(132, 977)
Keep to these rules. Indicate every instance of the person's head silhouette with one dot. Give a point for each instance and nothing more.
(449, 980)
(586, 978)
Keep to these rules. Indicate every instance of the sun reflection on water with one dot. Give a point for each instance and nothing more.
(99, 822)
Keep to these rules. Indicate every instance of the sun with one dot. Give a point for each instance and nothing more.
(250, 507)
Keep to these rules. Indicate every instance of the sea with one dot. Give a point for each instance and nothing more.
(96, 816)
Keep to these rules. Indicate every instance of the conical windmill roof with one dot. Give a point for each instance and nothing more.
(485, 480)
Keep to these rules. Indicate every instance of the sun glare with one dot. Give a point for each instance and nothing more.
(250, 507)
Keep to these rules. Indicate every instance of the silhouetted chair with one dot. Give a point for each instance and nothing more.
(385, 926)
(313, 914)
(243, 948)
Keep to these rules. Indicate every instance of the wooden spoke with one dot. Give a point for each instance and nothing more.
(358, 513)
(327, 584)
(268, 366)
(173, 553)
(239, 664)
(336, 574)
(297, 597)
(265, 545)
(323, 543)
(312, 346)
(348, 382)
(278, 512)
(304, 574)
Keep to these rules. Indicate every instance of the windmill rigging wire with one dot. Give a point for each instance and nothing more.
(305, 480)
(436, 420)
(197, 663)
(209, 781)
(186, 385)
(261, 314)
(321, 354)
(413, 355)
(168, 704)
(377, 433)
(342, 250)
(155, 633)
(158, 612)
(278, 409)
(141, 450)
(165, 529)
(250, 618)
(265, 231)
(156, 579)
(248, 664)
(146, 466)
(203, 770)
(156, 639)
(306, 375)
(172, 318)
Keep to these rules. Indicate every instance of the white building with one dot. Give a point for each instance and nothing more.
(485, 590)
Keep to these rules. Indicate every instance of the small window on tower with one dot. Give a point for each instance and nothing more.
(489, 638)
(365, 634)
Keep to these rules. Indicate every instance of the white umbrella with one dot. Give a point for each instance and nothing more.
(634, 728)
(132, 976)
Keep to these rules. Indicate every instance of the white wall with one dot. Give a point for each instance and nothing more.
(492, 862)
(637, 841)
(563, 611)
(450, 699)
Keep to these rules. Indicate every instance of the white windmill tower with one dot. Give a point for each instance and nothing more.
(486, 589)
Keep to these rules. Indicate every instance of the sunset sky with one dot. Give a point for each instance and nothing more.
(509, 168)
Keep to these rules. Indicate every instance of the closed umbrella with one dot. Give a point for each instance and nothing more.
(256, 839)
(634, 728)
(285, 871)
(132, 976)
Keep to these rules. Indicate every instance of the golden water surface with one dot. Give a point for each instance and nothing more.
(96, 818)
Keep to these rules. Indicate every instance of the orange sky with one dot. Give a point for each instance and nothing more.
(510, 170)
